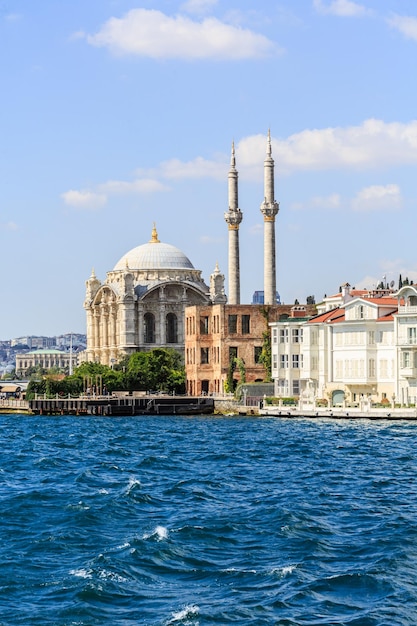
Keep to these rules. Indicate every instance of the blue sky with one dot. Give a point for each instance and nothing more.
(118, 113)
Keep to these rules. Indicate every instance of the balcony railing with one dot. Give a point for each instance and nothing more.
(408, 342)
(407, 309)
(408, 372)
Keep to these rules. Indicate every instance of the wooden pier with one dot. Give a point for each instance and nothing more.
(122, 406)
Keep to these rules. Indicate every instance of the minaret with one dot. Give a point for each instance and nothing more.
(233, 218)
(269, 209)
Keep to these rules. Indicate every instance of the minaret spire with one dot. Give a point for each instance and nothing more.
(233, 219)
(269, 209)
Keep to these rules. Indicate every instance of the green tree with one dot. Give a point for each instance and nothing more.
(160, 369)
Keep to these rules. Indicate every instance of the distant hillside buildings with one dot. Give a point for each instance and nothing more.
(24, 353)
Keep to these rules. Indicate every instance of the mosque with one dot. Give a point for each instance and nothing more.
(142, 302)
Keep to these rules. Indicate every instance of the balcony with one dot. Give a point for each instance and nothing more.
(408, 372)
(407, 342)
(407, 309)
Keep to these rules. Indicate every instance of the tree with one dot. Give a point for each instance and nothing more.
(160, 369)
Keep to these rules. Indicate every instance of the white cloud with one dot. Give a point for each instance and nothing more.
(89, 199)
(153, 34)
(406, 25)
(377, 198)
(341, 8)
(198, 7)
(197, 168)
(84, 199)
(373, 144)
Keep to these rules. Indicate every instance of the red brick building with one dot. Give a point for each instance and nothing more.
(217, 334)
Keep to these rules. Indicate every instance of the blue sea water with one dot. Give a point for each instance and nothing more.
(206, 520)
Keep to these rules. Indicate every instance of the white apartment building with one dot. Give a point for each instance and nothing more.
(362, 345)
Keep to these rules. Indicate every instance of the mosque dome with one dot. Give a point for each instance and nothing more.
(154, 256)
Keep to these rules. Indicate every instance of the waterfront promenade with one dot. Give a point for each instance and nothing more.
(174, 405)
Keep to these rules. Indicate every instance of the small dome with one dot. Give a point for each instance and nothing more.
(154, 256)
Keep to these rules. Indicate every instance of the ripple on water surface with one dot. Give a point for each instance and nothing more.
(207, 521)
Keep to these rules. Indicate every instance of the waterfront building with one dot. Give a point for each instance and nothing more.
(45, 359)
(360, 347)
(228, 336)
(141, 303)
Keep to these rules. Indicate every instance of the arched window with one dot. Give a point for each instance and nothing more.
(171, 328)
(149, 328)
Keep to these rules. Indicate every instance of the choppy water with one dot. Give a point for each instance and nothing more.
(195, 521)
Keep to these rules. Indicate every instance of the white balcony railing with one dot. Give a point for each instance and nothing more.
(407, 309)
(408, 372)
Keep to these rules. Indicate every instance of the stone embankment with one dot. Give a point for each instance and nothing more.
(375, 413)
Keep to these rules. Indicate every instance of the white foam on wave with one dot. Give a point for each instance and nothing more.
(81, 573)
(133, 482)
(284, 571)
(112, 576)
(191, 610)
(159, 532)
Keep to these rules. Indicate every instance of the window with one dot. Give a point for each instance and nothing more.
(372, 368)
(283, 335)
(171, 325)
(283, 387)
(245, 324)
(297, 335)
(232, 353)
(149, 328)
(274, 335)
(204, 325)
(296, 387)
(274, 361)
(257, 352)
(283, 360)
(204, 356)
(232, 324)
(296, 361)
(406, 359)
(412, 335)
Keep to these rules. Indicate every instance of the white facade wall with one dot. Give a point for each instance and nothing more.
(369, 353)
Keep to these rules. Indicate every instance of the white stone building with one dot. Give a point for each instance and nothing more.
(362, 346)
(141, 303)
(45, 359)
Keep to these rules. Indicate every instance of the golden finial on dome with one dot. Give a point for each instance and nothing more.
(154, 235)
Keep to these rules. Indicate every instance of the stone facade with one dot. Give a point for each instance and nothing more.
(46, 359)
(141, 304)
(215, 335)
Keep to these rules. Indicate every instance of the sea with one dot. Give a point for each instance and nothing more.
(210, 520)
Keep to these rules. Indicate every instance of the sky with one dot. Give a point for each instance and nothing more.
(118, 114)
